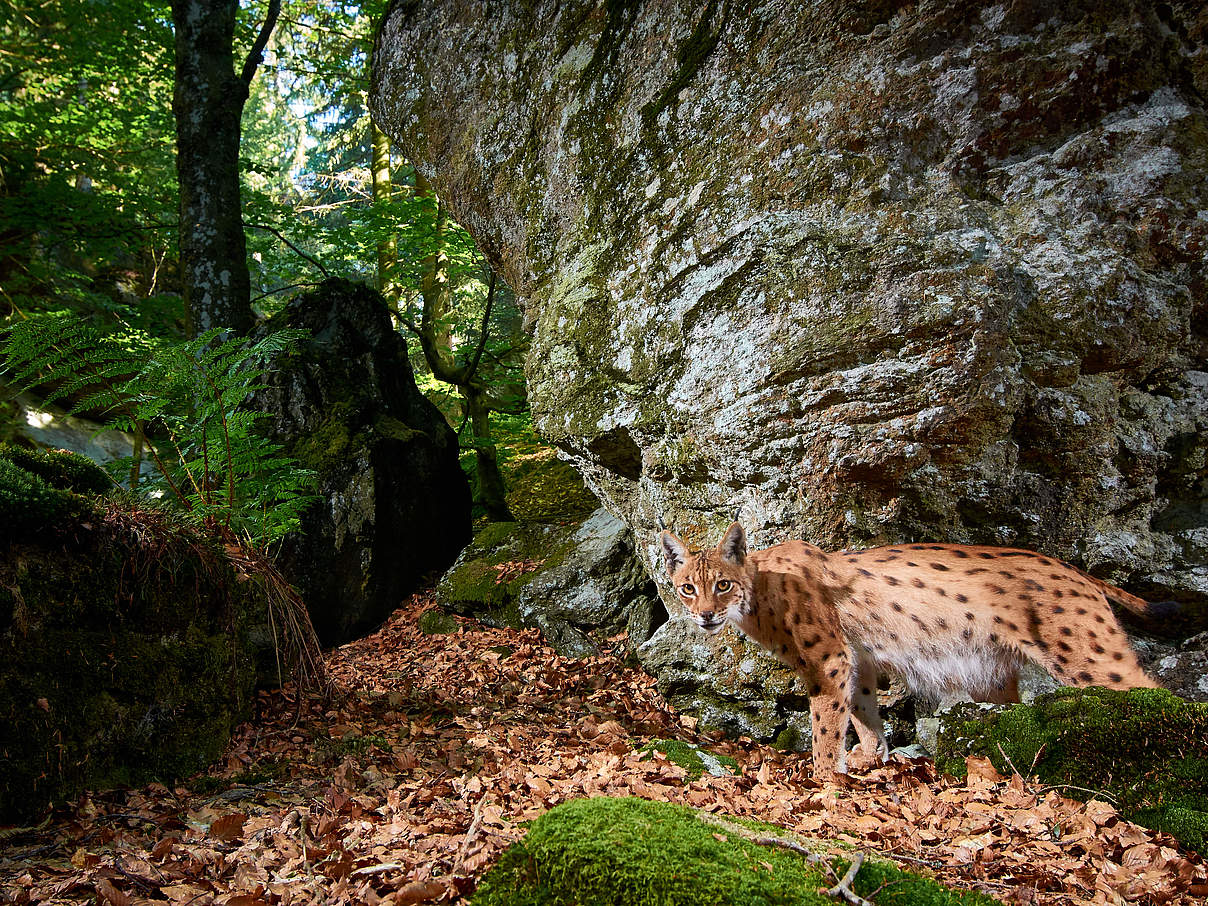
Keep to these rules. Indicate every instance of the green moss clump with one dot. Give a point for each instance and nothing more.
(39, 500)
(630, 852)
(788, 740)
(691, 758)
(60, 469)
(1146, 749)
(436, 622)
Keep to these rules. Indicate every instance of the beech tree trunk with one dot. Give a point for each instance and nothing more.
(208, 104)
(492, 493)
(383, 189)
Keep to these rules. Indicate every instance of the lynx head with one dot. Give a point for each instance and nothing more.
(715, 585)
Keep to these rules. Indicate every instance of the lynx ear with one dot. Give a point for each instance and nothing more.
(675, 552)
(733, 547)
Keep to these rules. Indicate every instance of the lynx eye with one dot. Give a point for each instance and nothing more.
(724, 585)
(688, 590)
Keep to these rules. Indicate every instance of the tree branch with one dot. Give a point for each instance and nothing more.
(482, 333)
(255, 56)
(276, 232)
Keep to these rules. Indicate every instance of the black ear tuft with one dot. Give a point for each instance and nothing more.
(675, 552)
(733, 547)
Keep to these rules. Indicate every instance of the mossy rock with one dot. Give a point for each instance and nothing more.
(630, 852)
(60, 469)
(44, 491)
(692, 758)
(1146, 749)
(127, 654)
(436, 622)
(503, 558)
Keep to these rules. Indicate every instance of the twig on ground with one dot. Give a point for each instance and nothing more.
(843, 888)
(1007, 757)
(471, 833)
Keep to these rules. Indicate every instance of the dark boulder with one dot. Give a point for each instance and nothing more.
(128, 641)
(395, 504)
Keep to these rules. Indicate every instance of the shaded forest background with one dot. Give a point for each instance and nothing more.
(90, 201)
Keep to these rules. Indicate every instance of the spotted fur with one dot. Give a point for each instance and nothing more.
(947, 618)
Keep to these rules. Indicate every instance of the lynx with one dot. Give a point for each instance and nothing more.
(945, 617)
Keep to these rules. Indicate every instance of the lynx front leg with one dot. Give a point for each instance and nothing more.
(830, 712)
(866, 716)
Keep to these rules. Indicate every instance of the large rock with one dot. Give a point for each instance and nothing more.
(395, 505)
(865, 273)
(578, 583)
(128, 641)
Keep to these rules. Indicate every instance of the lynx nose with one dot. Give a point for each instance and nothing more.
(707, 616)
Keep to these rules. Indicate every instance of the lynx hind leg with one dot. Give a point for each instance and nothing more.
(873, 747)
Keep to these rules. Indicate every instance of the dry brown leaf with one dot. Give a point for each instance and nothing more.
(418, 892)
(110, 894)
(228, 827)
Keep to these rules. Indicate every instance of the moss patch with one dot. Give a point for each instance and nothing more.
(693, 759)
(1146, 749)
(630, 852)
(436, 622)
(43, 491)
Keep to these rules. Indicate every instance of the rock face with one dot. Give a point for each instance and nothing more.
(395, 504)
(865, 274)
(573, 582)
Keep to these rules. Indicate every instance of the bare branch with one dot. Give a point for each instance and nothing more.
(276, 232)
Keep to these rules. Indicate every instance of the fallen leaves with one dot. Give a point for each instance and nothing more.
(410, 784)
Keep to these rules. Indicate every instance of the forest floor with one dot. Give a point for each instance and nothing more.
(439, 748)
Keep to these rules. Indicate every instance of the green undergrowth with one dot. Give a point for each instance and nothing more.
(631, 852)
(1145, 750)
(692, 758)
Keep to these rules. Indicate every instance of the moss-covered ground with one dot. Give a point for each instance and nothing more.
(631, 852)
(1144, 750)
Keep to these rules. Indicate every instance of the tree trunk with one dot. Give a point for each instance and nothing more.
(491, 489)
(383, 188)
(208, 104)
(436, 335)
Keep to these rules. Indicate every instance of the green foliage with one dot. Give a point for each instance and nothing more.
(186, 400)
(1146, 749)
(630, 852)
(87, 174)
